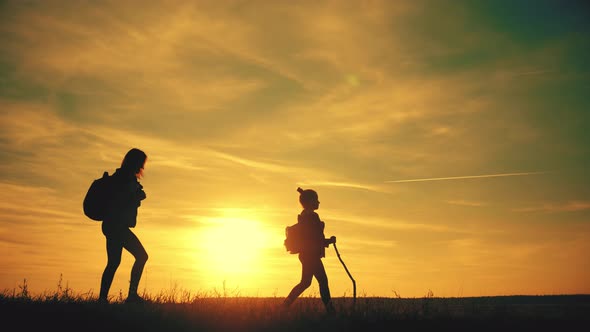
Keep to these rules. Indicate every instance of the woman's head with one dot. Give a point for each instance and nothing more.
(308, 199)
(134, 162)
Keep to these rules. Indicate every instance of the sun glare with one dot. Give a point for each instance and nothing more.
(232, 248)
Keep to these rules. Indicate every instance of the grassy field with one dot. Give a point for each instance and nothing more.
(65, 311)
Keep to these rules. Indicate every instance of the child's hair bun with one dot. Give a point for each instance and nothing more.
(300, 190)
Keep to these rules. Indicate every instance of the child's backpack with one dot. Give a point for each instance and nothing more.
(96, 200)
(302, 234)
(294, 238)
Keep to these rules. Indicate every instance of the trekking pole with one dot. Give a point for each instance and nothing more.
(349, 275)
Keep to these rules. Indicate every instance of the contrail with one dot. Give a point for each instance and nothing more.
(467, 177)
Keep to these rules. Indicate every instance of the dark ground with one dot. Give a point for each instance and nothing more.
(506, 313)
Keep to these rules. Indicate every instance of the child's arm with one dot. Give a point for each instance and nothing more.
(329, 241)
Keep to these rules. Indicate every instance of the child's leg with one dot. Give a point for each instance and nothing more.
(322, 278)
(306, 276)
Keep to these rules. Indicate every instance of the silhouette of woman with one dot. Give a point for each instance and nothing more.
(313, 249)
(126, 197)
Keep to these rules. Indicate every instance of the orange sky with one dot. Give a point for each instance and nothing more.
(239, 103)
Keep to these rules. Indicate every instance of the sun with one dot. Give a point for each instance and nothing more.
(232, 247)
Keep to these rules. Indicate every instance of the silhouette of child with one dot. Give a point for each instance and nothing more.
(126, 196)
(313, 250)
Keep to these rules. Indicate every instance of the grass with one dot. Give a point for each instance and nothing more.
(178, 310)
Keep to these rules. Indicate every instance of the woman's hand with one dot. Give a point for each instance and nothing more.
(333, 239)
(141, 194)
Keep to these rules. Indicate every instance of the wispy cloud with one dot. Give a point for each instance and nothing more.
(26, 124)
(368, 245)
(267, 166)
(393, 223)
(32, 205)
(466, 177)
(554, 207)
(343, 185)
(532, 72)
(466, 203)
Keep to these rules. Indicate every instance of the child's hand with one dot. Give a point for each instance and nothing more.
(333, 239)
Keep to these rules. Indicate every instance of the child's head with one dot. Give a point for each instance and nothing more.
(308, 199)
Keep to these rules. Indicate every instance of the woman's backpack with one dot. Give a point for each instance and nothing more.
(96, 200)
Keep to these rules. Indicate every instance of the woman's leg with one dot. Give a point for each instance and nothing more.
(134, 246)
(306, 277)
(114, 251)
